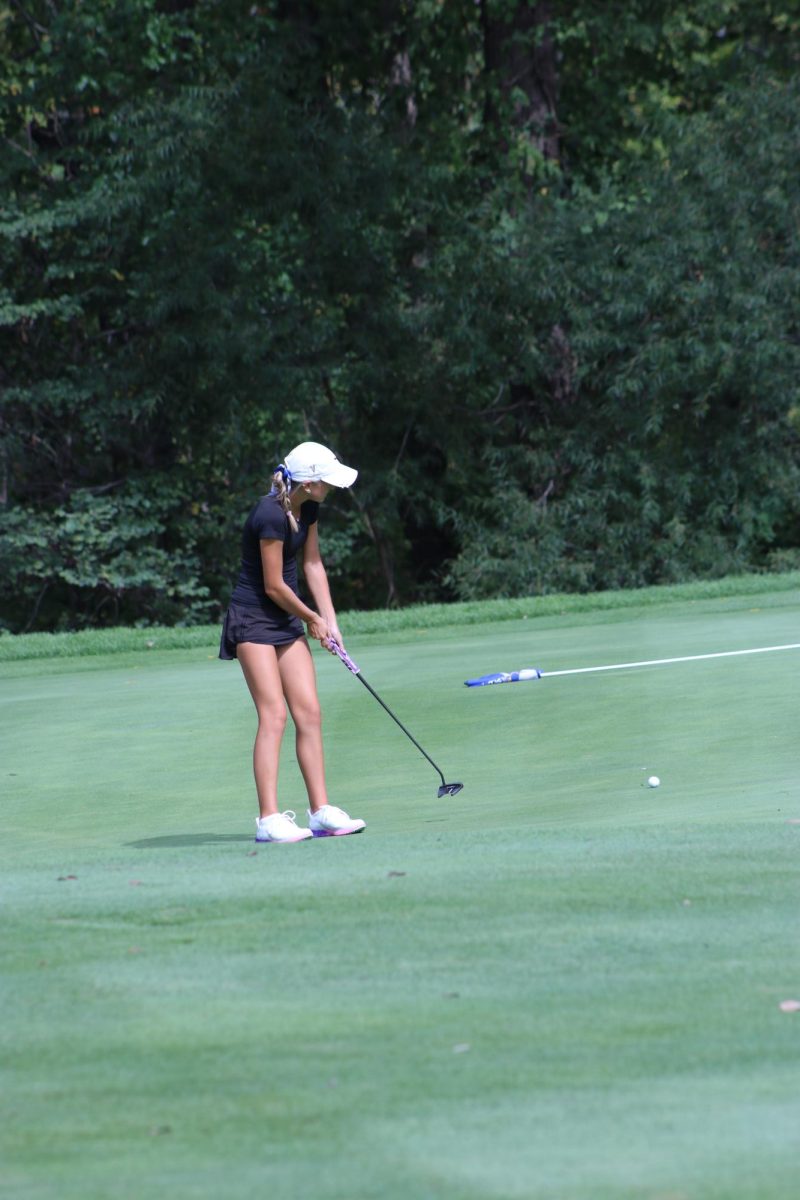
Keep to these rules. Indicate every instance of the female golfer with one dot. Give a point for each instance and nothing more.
(263, 629)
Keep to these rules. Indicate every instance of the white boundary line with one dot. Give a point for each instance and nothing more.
(658, 662)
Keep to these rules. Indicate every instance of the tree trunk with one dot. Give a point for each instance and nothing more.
(520, 59)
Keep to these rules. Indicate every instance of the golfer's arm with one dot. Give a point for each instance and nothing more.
(317, 578)
(278, 591)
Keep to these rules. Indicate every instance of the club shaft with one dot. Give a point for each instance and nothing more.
(397, 721)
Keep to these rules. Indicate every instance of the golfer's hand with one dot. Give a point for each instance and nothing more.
(319, 631)
(335, 636)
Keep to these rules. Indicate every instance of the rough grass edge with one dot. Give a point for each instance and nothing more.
(15, 647)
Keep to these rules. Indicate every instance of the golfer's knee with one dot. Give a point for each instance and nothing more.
(308, 718)
(271, 719)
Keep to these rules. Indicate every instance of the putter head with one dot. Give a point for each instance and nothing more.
(449, 789)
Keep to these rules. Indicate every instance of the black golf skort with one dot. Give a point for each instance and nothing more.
(244, 624)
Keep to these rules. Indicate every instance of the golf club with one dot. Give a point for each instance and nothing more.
(447, 789)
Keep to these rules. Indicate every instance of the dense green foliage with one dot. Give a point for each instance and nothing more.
(533, 269)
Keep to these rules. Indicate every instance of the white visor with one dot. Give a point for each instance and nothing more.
(311, 461)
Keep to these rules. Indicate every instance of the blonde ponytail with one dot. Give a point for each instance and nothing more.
(282, 484)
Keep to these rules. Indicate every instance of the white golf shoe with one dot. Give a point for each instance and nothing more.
(280, 827)
(330, 821)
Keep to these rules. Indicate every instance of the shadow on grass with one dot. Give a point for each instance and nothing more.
(187, 839)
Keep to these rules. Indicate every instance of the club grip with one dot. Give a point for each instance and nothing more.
(344, 656)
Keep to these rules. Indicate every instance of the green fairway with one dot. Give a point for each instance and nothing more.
(559, 985)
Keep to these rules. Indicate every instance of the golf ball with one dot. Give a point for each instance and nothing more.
(653, 781)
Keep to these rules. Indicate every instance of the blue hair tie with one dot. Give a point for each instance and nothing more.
(285, 474)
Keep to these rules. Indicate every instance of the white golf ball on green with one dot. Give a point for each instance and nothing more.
(653, 781)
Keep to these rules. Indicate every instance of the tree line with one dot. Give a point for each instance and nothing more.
(532, 267)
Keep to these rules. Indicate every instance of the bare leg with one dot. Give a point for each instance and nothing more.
(260, 668)
(299, 679)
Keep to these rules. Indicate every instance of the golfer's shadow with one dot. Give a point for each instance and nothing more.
(187, 839)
